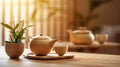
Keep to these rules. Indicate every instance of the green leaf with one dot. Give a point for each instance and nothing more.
(23, 38)
(16, 32)
(16, 26)
(19, 36)
(28, 26)
(22, 24)
(7, 26)
(11, 38)
(21, 33)
(7, 42)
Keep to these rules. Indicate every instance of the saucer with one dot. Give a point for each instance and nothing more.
(51, 56)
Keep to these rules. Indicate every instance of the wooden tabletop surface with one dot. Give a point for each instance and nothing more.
(106, 48)
(79, 60)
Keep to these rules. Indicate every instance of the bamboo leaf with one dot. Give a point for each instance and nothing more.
(28, 26)
(21, 32)
(7, 26)
(23, 38)
(16, 26)
(22, 24)
(16, 32)
(19, 36)
(11, 38)
(7, 42)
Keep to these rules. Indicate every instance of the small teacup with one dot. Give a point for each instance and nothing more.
(101, 38)
(61, 49)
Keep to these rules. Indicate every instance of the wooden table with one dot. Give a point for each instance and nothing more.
(79, 60)
(106, 48)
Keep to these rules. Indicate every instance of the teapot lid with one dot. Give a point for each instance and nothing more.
(41, 37)
(82, 30)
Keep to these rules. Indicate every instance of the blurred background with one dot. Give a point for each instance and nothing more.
(55, 17)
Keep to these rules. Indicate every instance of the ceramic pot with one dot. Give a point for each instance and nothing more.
(82, 36)
(14, 50)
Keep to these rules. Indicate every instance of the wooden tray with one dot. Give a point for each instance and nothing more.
(51, 56)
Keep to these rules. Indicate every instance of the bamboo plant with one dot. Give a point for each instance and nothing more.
(16, 32)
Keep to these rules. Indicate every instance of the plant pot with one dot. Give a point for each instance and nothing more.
(14, 50)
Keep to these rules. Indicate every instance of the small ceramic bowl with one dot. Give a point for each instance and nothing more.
(61, 48)
(101, 38)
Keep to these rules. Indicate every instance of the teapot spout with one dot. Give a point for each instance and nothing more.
(51, 43)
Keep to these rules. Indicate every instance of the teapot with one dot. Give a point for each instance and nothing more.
(41, 45)
(82, 36)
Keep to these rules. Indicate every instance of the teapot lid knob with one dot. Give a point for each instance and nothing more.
(82, 28)
(41, 34)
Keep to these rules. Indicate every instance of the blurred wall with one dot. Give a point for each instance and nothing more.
(109, 12)
(109, 17)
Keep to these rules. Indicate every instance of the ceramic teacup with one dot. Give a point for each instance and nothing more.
(101, 38)
(61, 49)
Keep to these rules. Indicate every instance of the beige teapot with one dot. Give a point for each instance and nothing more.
(41, 45)
(82, 36)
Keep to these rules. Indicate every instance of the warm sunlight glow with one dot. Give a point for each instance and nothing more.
(49, 17)
(14, 10)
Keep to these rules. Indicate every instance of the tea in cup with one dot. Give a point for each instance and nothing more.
(101, 38)
(61, 49)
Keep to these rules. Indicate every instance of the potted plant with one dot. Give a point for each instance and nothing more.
(15, 47)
